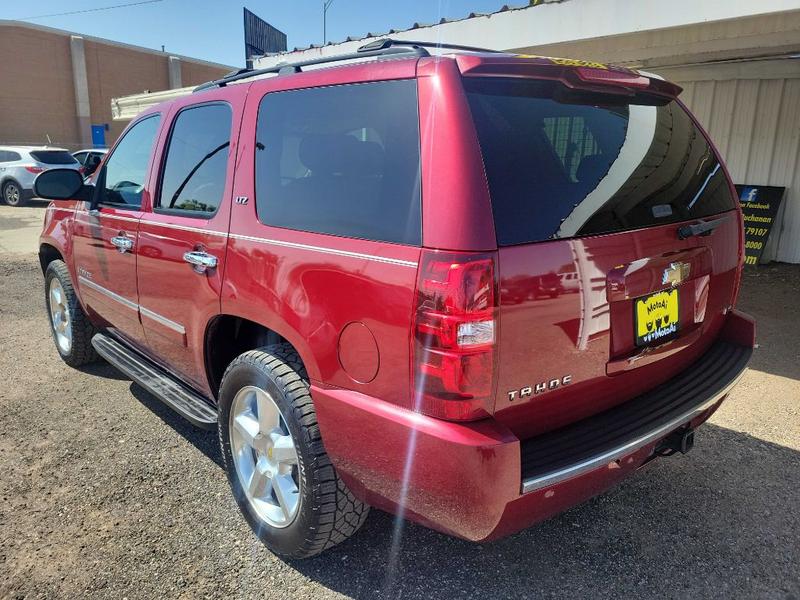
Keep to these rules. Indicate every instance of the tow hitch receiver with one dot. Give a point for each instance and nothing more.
(680, 440)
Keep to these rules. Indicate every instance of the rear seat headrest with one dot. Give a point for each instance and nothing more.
(340, 154)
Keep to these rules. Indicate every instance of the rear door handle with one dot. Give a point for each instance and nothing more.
(200, 261)
(122, 242)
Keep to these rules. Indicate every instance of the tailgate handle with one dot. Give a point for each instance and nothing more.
(700, 228)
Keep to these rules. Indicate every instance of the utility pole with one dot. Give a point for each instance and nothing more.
(325, 6)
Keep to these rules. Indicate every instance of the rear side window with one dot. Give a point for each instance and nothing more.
(562, 163)
(9, 156)
(194, 173)
(341, 160)
(54, 157)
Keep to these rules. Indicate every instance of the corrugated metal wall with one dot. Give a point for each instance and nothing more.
(752, 112)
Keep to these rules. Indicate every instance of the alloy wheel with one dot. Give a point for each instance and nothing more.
(12, 194)
(59, 316)
(264, 456)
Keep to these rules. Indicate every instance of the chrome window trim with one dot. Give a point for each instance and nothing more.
(184, 228)
(106, 216)
(347, 253)
(536, 483)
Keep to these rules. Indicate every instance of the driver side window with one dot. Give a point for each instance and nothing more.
(123, 178)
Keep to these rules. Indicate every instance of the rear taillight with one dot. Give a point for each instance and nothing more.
(34, 169)
(455, 334)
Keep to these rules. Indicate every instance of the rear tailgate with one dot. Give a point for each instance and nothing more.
(592, 188)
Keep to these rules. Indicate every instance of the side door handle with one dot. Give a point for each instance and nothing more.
(122, 242)
(200, 261)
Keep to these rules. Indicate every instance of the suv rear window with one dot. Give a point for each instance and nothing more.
(562, 163)
(341, 160)
(54, 157)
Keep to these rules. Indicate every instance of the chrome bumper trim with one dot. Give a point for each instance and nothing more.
(548, 479)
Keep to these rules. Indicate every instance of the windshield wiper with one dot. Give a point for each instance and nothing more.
(700, 228)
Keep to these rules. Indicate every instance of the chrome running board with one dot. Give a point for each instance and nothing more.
(186, 402)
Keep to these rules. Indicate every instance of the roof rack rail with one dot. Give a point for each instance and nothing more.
(286, 68)
(391, 42)
(381, 47)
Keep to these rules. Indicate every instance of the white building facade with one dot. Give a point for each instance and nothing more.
(737, 60)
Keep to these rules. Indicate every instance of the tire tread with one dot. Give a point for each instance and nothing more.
(341, 514)
(82, 352)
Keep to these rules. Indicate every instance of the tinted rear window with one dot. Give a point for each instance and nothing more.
(341, 160)
(54, 157)
(563, 164)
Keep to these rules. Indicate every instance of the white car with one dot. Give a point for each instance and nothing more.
(19, 166)
(569, 282)
(90, 158)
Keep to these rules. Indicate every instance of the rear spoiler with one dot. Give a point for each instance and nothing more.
(576, 74)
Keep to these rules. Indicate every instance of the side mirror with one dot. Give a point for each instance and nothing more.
(61, 184)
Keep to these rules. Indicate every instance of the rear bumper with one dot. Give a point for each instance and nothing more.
(479, 482)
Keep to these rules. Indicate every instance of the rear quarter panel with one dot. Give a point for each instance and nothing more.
(309, 287)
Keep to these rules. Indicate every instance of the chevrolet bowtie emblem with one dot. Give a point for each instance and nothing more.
(675, 273)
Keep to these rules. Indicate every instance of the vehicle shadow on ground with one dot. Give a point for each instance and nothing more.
(104, 370)
(702, 516)
(205, 441)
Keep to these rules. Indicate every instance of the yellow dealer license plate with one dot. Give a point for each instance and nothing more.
(656, 318)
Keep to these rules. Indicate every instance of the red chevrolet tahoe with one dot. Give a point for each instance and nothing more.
(354, 268)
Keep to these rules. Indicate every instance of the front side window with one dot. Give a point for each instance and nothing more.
(122, 179)
(341, 160)
(81, 157)
(195, 170)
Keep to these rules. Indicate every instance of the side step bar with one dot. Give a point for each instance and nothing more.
(187, 403)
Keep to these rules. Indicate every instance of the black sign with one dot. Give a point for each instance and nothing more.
(760, 206)
(260, 38)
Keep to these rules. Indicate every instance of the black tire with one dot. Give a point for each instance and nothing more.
(328, 513)
(81, 351)
(12, 194)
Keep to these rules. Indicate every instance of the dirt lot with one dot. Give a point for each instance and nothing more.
(105, 492)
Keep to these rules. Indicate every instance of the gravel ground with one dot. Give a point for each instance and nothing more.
(107, 493)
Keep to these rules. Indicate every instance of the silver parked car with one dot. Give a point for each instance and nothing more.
(19, 166)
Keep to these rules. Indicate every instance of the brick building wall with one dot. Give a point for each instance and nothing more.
(38, 83)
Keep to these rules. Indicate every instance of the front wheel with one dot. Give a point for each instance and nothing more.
(71, 328)
(277, 466)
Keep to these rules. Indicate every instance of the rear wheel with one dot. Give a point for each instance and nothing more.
(280, 475)
(71, 328)
(12, 193)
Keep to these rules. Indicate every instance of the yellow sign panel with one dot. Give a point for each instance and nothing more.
(656, 317)
(567, 62)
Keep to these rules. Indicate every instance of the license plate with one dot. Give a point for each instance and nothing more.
(656, 318)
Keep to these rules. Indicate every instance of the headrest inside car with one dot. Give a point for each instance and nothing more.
(341, 154)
